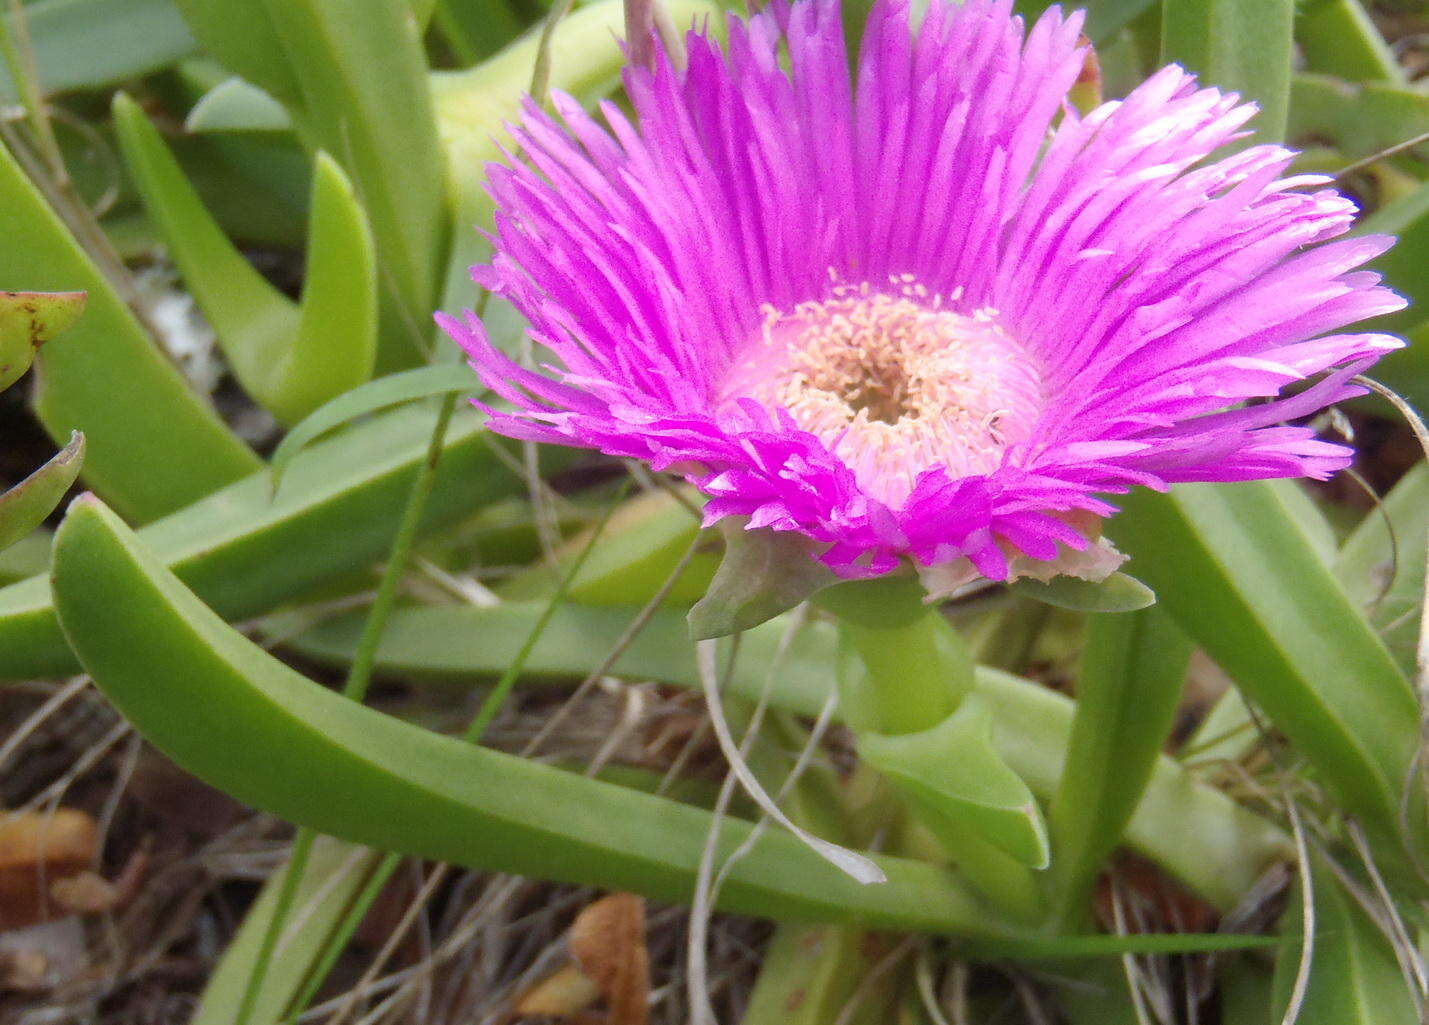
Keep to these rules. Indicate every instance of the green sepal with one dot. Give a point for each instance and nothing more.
(763, 573)
(1117, 593)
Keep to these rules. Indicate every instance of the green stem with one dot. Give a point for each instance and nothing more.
(902, 667)
(903, 672)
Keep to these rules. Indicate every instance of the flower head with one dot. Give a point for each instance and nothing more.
(932, 313)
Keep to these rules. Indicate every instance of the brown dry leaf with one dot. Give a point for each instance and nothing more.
(24, 971)
(36, 849)
(564, 995)
(607, 939)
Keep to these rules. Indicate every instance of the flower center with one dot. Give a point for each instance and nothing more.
(896, 384)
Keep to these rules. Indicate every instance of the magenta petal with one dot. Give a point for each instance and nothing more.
(663, 262)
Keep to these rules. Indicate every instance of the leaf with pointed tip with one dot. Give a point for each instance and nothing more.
(27, 321)
(763, 573)
(1119, 592)
(1233, 45)
(1338, 37)
(290, 359)
(636, 552)
(25, 506)
(235, 105)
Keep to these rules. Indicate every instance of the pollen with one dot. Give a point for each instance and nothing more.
(897, 382)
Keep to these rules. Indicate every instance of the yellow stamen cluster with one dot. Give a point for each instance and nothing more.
(898, 383)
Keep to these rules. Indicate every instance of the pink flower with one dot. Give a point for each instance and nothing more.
(933, 314)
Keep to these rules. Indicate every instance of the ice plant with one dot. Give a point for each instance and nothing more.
(923, 310)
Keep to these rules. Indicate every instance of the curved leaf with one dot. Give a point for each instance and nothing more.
(1127, 692)
(238, 718)
(392, 390)
(25, 506)
(365, 99)
(290, 359)
(640, 546)
(1357, 120)
(1339, 38)
(1245, 47)
(1236, 572)
(145, 465)
(87, 44)
(245, 550)
(956, 777)
(1199, 833)
(235, 105)
(763, 573)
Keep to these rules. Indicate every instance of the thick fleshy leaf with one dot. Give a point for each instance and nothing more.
(27, 321)
(1358, 120)
(245, 550)
(365, 100)
(238, 718)
(1338, 37)
(235, 105)
(1241, 47)
(1381, 565)
(88, 44)
(1199, 833)
(289, 358)
(476, 29)
(1354, 978)
(392, 390)
(25, 506)
(145, 465)
(1407, 218)
(1119, 592)
(1236, 572)
(957, 779)
(337, 876)
(764, 573)
(1127, 692)
(902, 667)
(1105, 18)
(245, 41)
(636, 552)
(474, 105)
